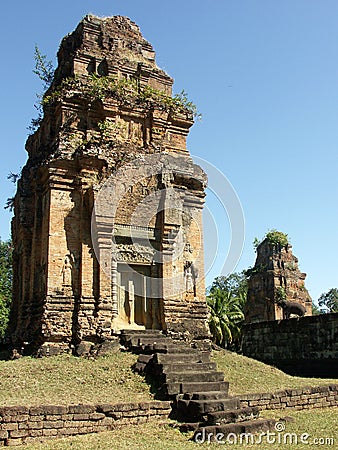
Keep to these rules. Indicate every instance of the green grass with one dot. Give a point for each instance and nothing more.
(318, 423)
(64, 380)
(247, 375)
(67, 380)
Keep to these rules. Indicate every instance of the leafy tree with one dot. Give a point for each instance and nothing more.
(236, 283)
(226, 300)
(5, 283)
(315, 310)
(328, 301)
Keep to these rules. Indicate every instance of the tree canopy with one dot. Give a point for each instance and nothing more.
(236, 283)
(328, 301)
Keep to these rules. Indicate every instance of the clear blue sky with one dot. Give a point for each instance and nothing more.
(264, 74)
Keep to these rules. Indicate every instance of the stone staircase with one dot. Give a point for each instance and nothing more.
(199, 394)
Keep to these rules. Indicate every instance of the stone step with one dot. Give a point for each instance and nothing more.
(192, 376)
(202, 407)
(141, 332)
(160, 347)
(140, 368)
(197, 410)
(193, 426)
(141, 341)
(211, 395)
(173, 389)
(127, 336)
(171, 348)
(142, 363)
(184, 367)
(192, 356)
(233, 416)
(178, 347)
(144, 358)
(219, 433)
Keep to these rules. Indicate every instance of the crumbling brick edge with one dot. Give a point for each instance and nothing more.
(303, 398)
(25, 425)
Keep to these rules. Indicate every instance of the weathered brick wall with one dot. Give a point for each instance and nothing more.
(304, 398)
(307, 346)
(23, 425)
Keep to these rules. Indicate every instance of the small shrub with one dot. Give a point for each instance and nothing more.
(277, 238)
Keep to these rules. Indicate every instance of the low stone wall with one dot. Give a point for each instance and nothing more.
(23, 425)
(304, 398)
(306, 346)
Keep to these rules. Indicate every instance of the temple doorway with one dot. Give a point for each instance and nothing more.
(137, 296)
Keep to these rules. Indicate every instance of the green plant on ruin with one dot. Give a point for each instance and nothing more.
(76, 141)
(183, 102)
(125, 91)
(112, 130)
(275, 237)
(13, 177)
(43, 68)
(65, 87)
(280, 294)
(260, 268)
(45, 71)
(10, 203)
(256, 243)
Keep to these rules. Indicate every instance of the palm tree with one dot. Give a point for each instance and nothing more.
(226, 316)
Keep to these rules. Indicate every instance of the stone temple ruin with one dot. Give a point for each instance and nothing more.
(107, 229)
(275, 279)
(108, 243)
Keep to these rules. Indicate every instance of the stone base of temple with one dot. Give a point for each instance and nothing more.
(119, 324)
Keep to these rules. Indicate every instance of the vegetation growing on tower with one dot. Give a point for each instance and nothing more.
(274, 237)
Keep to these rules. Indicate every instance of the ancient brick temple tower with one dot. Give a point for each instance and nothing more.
(275, 275)
(108, 213)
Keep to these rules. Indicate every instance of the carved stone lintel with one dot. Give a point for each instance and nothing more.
(134, 253)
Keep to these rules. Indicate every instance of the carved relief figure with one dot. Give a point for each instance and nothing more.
(66, 272)
(190, 274)
(189, 282)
